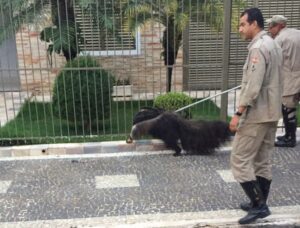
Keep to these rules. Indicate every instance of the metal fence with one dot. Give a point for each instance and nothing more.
(78, 70)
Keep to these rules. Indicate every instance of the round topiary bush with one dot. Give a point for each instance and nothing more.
(173, 101)
(82, 95)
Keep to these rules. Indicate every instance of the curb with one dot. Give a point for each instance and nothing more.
(81, 148)
(286, 216)
(93, 147)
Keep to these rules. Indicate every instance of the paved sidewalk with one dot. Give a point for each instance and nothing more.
(61, 189)
(189, 191)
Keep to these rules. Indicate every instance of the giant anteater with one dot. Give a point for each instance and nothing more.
(196, 137)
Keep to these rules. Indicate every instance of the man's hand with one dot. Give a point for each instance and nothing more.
(234, 123)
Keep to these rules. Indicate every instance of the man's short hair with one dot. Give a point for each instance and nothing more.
(276, 19)
(254, 14)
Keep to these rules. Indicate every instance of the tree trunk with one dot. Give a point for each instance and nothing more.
(171, 42)
(62, 11)
(169, 78)
(63, 14)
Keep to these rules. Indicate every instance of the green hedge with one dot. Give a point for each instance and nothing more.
(82, 95)
(173, 101)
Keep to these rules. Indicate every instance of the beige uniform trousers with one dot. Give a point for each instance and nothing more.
(252, 150)
(291, 101)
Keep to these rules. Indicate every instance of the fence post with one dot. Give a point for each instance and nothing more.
(225, 58)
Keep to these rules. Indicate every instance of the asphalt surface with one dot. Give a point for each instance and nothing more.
(36, 192)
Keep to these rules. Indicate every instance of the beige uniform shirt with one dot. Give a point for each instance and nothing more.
(261, 84)
(289, 40)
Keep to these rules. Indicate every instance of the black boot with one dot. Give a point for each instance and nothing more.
(265, 188)
(285, 122)
(287, 142)
(259, 207)
(290, 139)
(281, 137)
(290, 125)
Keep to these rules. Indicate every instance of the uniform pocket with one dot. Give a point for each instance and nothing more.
(248, 130)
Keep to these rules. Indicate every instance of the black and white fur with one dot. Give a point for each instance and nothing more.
(196, 137)
(147, 113)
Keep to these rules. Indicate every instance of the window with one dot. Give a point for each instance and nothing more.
(99, 42)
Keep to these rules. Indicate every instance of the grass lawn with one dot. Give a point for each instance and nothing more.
(35, 123)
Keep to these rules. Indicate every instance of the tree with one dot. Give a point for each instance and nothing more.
(14, 13)
(174, 15)
(63, 35)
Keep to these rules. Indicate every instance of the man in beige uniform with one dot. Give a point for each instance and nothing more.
(289, 40)
(258, 113)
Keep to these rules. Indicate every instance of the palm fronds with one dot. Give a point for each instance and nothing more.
(15, 13)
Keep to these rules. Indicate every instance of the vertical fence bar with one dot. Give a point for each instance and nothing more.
(225, 59)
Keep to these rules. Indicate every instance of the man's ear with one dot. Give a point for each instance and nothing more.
(255, 23)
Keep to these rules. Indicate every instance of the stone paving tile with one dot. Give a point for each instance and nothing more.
(226, 175)
(117, 181)
(5, 152)
(4, 185)
(90, 148)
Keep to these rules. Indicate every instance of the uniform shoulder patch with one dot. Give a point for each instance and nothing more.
(254, 59)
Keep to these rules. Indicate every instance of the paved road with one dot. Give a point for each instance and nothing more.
(60, 191)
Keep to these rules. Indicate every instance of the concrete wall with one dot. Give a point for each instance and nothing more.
(9, 75)
(36, 74)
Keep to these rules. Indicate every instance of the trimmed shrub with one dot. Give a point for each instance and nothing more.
(173, 101)
(82, 95)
